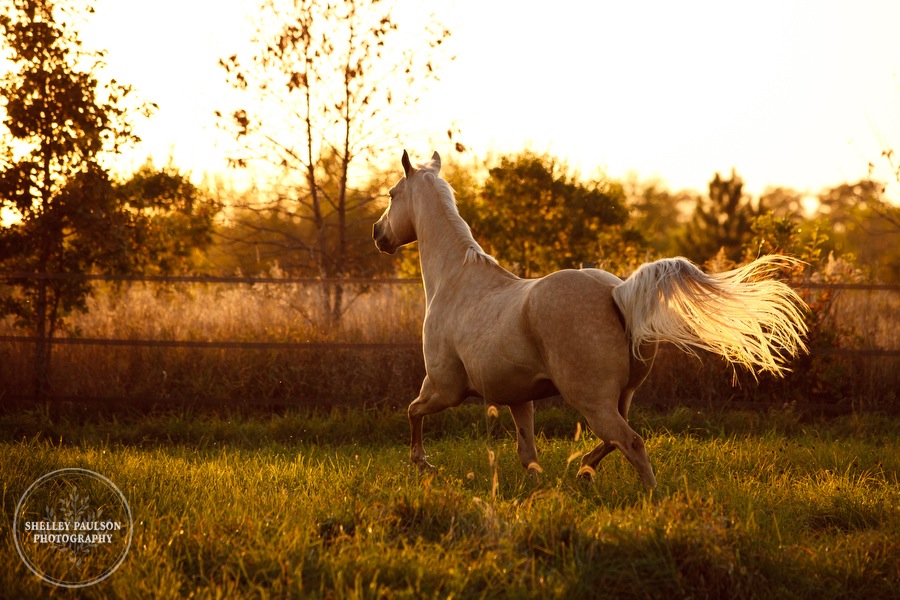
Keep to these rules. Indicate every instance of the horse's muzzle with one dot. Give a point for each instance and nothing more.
(379, 234)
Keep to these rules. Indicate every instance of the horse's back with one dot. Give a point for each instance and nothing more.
(604, 277)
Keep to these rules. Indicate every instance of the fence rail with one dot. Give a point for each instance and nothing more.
(12, 278)
(228, 345)
(216, 345)
(206, 279)
(159, 365)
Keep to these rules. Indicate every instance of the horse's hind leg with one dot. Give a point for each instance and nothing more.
(611, 427)
(523, 416)
(616, 433)
(590, 460)
(431, 400)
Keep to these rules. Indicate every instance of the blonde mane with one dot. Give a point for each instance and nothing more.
(474, 252)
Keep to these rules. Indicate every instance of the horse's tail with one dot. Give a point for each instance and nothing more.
(742, 314)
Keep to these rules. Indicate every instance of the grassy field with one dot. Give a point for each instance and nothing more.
(324, 504)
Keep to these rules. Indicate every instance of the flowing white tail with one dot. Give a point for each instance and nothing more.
(741, 314)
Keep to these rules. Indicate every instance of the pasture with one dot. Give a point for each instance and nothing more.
(313, 503)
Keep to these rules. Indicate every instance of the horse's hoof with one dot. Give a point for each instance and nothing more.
(534, 471)
(424, 466)
(586, 472)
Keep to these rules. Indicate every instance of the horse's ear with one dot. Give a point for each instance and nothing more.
(407, 167)
(436, 162)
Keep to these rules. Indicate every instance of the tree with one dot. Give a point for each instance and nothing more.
(322, 86)
(887, 179)
(260, 236)
(864, 227)
(169, 219)
(659, 215)
(720, 222)
(536, 217)
(68, 218)
(781, 202)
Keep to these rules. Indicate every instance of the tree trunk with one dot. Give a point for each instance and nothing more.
(337, 304)
(43, 327)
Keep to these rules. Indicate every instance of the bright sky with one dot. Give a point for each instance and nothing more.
(793, 93)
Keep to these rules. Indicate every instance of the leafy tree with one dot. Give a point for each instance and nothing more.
(321, 89)
(720, 222)
(536, 217)
(170, 220)
(659, 215)
(782, 228)
(818, 373)
(781, 202)
(275, 234)
(65, 215)
(886, 177)
(863, 227)
(787, 235)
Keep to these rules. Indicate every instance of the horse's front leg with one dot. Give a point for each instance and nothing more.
(432, 399)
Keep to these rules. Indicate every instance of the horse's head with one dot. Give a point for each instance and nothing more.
(396, 227)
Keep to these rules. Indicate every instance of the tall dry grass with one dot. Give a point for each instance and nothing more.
(843, 371)
(277, 313)
(266, 312)
(392, 314)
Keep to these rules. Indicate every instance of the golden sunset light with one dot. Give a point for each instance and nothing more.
(801, 94)
(450, 298)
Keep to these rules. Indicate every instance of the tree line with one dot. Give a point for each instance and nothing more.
(319, 90)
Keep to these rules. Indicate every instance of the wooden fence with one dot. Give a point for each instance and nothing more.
(14, 347)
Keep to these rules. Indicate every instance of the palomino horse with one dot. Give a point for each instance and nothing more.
(583, 334)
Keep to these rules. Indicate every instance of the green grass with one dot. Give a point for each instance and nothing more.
(324, 504)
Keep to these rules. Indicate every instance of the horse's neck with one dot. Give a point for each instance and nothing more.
(441, 258)
(445, 248)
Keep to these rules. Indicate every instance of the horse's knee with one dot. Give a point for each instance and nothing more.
(637, 443)
(414, 411)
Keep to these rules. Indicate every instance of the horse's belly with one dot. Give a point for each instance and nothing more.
(512, 385)
(536, 390)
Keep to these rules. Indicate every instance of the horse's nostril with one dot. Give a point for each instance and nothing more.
(379, 234)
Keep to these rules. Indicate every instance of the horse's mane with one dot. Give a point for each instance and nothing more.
(474, 252)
